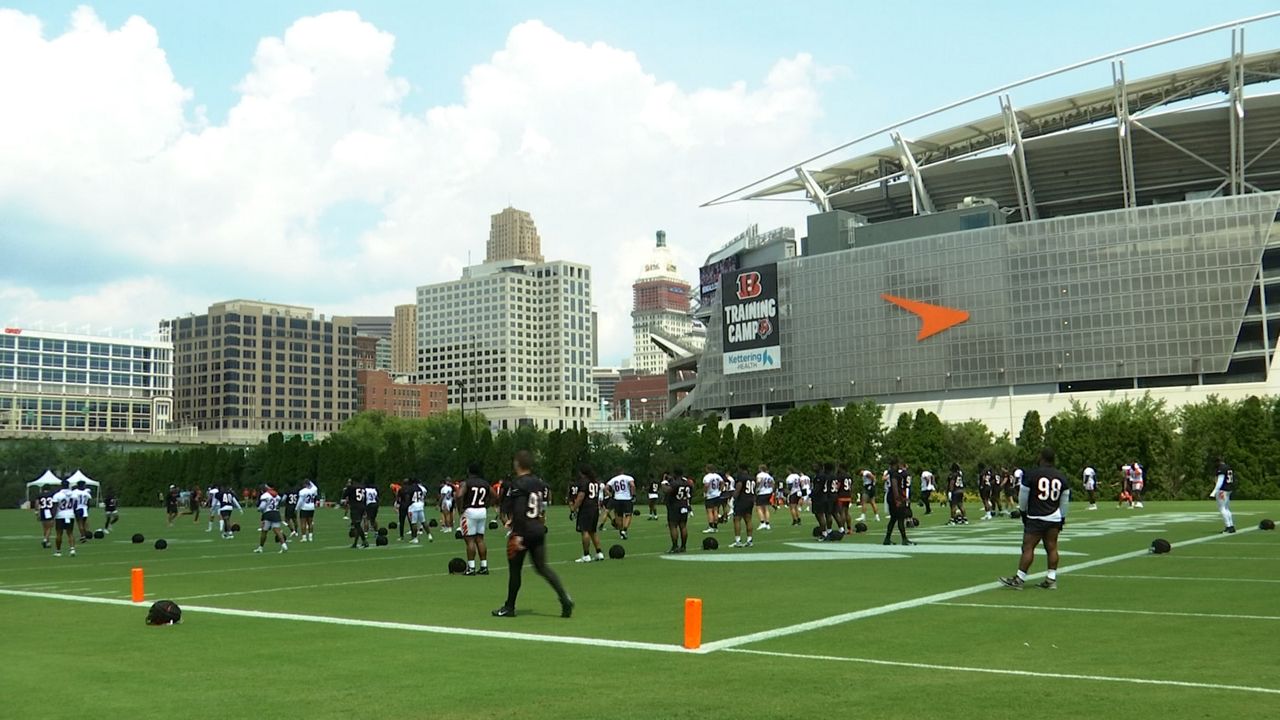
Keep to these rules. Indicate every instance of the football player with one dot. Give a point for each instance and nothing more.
(1011, 488)
(475, 497)
(744, 499)
(868, 496)
(213, 500)
(64, 514)
(414, 500)
(401, 494)
(84, 498)
(988, 488)
(171, 504)
(679, 493)
(897, 499)
(806, 492)
(955, 495)
(844, 498)
(446, 505)
(197, 500)
(308, 497)
(290, 500)
(623, 488)
(226, 503)
(794, 494)
(1091, 487)
(44, 507)
(712, 490)
(1224, 485)
(269, 510)
(655, 487)
(926, 490)
(371, 505)
(819, 501)
(524, 500)
(586, 509)
(1043, 497)
(1126, 477)
(353, 496)
(764, 496)
(1137, 483)
(111, 505)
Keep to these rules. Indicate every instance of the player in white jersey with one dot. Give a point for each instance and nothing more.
(226, 503)
(308, 497)
(269, 509)
(623, 488)
(867, 495)
(1137, 483)
(794, 494)
(1224, 485)
(83, 499)
(806, 492)
(713, 485)
(1091, 487)
(764, 497)
(446, 505)
(64, 515)
(211, 498)
(416, 512)
(927, 487)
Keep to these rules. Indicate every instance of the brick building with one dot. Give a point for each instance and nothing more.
(379, 390)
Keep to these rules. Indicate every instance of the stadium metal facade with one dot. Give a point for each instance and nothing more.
(1110, 243)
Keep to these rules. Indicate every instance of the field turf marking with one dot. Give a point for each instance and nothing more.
(1197, 578)
(1018, 673)
(1109, 611)
(380, 624)
(921, 601)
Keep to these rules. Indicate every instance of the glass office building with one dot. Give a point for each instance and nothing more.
(59, 382)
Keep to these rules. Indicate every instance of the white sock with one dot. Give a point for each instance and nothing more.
(484, 563)
(471, 564)
(1053, 575)
(1022, 576)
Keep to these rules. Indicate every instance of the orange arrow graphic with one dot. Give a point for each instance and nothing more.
(933, 318)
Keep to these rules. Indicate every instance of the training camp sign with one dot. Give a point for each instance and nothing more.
(749, 304)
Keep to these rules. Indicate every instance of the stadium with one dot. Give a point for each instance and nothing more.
(1064, 250)
(1110, 243)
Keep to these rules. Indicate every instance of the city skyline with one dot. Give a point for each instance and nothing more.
(339, 160)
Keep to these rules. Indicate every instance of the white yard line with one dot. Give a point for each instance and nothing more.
(1195, 578)
(1105, 611)
(382, 625)
(921, 601)
(1016, 673)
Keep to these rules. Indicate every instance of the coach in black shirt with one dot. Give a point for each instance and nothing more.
(895, 497)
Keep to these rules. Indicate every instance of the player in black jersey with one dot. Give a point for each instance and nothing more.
(524, 501)
(353, 496)
(171, 504)
(819, 501)
(654, 487)
(955, 495)
(987, 487)
(1043, 498)
(679, 496)
(999, 486)
(111, 506)
(844, 498)
(744, 493)
(586, 510)
(44, 513)
(401, 499)
(290, 501)
(896, 495)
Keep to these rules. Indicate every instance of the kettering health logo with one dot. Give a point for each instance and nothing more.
(750, 360)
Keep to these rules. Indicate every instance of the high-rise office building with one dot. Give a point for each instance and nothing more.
(59, 382)
(379, 326)
(258, 367)
(513, 236)
(404, 340)
(660, 303)
(512, 339)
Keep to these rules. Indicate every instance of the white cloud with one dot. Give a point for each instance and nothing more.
(106, 142)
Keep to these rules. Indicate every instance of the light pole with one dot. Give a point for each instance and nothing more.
(461, 384)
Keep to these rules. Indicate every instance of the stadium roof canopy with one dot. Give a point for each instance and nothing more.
(1133, 142)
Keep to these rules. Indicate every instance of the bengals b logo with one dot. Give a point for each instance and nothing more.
(749, 285)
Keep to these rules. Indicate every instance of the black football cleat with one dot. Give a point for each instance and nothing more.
(504, 611)
(483, 571)
(566, 609)
(1048, 584)
(1231, 530)
(1014, 582)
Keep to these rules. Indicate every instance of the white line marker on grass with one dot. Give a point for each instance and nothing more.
(1196, 578)
(1017, 673)
(920, 601)
(382, 625)
(1106, 611)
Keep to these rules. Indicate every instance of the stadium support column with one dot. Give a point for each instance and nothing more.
(1235, 114)
(920, 199)
(1124, 126)
(1018, 160)
(816, 194)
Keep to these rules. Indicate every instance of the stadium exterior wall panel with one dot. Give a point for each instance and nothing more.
(1152, 291)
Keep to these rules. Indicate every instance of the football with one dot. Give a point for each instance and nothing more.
(161, 544)
(457, 566)
(860, 528)
(137, 538)
(1160, 546)
(1267, 524)
(710, 544)
(617, 552)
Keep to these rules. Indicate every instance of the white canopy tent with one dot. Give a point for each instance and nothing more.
(48, 478)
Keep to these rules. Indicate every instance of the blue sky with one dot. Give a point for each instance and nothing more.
(731, 91)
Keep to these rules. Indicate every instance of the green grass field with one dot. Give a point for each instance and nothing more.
(792, 628)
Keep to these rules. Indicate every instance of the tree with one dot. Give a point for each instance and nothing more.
(1030, 439)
